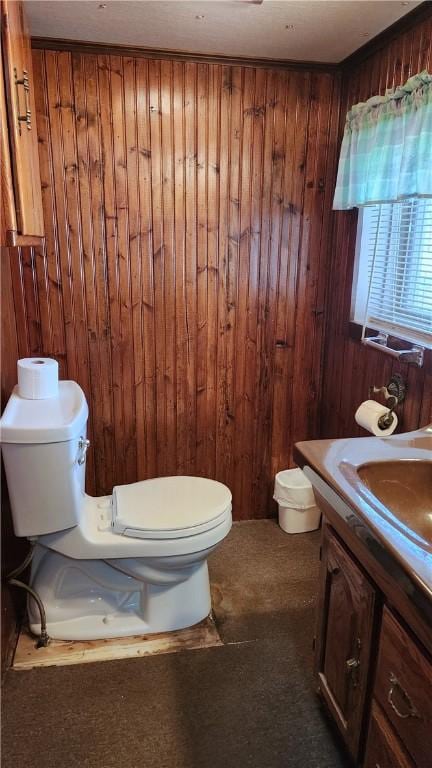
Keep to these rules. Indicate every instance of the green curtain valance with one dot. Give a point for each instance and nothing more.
(386, 152)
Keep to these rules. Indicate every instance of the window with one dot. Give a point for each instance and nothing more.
(393, 286)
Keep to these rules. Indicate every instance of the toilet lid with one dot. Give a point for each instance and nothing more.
(169, 507)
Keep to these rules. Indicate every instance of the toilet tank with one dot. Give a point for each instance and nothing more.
(43, 450)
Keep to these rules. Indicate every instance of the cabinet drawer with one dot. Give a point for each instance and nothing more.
(384, 749)
(403, 688)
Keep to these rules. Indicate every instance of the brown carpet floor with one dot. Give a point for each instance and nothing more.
(250, 702)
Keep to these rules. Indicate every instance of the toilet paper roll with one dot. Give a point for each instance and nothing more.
(367, 415)
(37, 378)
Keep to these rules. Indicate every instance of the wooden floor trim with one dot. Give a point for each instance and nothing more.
(63, 652)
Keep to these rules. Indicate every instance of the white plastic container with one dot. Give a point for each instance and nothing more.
(298, 512)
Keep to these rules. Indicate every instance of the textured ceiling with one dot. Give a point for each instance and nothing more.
(309, 31)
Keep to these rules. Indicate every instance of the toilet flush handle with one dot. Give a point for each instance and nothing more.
(83, 446)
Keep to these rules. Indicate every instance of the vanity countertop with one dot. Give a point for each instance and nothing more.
(337, 462)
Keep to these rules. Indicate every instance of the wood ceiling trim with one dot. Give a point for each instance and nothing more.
(81, 46)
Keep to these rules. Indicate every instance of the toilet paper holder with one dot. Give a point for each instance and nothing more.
(394, 394)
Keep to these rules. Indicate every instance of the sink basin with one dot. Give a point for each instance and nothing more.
(382, 488)
(404, 488)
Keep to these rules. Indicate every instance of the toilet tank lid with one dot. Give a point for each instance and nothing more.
(53, 420)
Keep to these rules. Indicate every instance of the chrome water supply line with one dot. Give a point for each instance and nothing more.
(11, 579)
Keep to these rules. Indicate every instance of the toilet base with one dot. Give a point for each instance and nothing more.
(92, 600)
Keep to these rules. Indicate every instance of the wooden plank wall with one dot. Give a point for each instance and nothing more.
(350, 368)
(187, 212)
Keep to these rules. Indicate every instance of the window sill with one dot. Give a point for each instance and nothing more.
(355, 333)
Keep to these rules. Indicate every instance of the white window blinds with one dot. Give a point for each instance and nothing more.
(394, 282)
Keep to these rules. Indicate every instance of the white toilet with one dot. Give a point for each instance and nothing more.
(127, 564)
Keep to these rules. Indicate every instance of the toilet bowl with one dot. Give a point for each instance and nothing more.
(134, 562)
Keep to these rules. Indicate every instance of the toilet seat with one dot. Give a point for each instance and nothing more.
(169, 507)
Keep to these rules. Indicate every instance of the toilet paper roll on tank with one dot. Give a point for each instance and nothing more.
(38, 378)
(368, 414)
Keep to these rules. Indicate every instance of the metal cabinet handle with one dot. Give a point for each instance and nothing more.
(412, 711)
(352, 665)
(25, 82)
(83, 446)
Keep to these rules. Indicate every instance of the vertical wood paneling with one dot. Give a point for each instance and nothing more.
(181, 284)
(203, 375)
(189, 342)
(183, 277)
(349, 368)
(147, 458)
(213, 264)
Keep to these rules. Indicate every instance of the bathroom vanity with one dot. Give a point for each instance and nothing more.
(373, 643)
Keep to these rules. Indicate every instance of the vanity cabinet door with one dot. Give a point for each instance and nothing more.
(344, 636)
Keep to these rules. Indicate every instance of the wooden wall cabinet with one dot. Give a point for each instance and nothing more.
(383, 710)
(22, 216)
